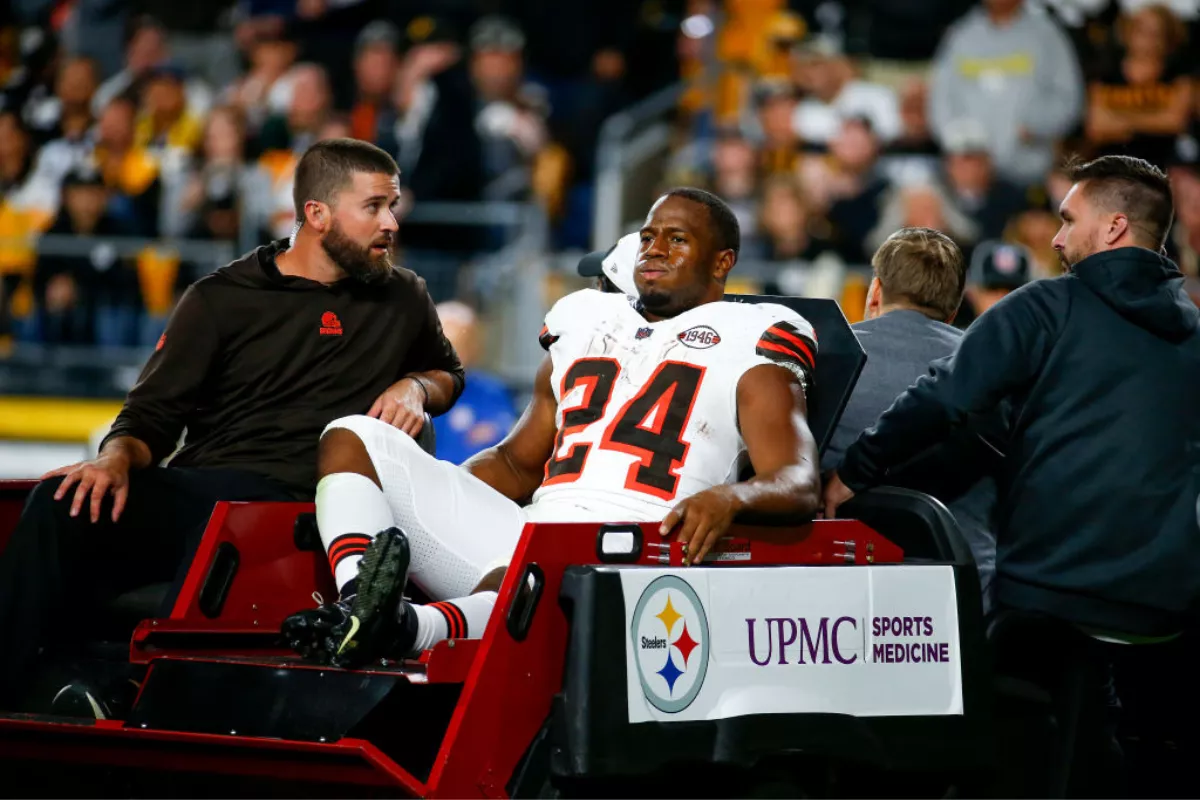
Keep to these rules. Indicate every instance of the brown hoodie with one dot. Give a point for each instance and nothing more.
(254, 364)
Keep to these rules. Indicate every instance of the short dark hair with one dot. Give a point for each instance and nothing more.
(922, 267)
(1136, 188)
(727, 232)
(328, 167)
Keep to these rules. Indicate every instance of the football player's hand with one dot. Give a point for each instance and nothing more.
(402, 406)
(836, 493)
(703, 518)
(97, 478)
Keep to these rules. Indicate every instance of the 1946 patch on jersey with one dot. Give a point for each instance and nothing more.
(700, 337)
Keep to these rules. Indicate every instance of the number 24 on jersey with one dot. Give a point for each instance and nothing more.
(667, 399)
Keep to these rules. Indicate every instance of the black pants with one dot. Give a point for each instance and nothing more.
(58, 573)
(1134, 712)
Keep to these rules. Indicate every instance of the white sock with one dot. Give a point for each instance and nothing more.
(351, 510)
(468, 616)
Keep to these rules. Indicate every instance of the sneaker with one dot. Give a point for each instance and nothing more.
(377, 625)
(316, 632)
(77, 699)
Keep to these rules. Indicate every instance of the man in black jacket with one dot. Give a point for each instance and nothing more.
(256, 359)
(1097, 518)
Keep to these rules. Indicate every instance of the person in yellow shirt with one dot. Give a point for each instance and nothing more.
(165, 123)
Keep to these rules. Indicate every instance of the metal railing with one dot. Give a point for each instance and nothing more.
(627, 141)
(507, 282)
(632, 147)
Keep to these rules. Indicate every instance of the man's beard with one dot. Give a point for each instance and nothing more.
(665, 304)
(358, 262)
(656, 301)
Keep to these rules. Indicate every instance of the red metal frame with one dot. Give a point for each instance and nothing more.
(36, 737)
(508, 685)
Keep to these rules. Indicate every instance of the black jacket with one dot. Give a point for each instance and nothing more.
(1097, 522)
(254, 364)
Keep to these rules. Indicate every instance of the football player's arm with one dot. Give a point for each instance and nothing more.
(786, 484)
(515, 467)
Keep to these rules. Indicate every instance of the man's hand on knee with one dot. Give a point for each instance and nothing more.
(402, 406)
(97, 478)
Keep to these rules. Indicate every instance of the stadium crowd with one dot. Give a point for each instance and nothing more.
(826, 125)
(915, 136)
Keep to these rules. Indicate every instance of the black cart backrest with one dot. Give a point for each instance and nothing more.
(840, 359)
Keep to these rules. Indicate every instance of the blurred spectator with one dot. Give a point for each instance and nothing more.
(485, 412)
(438, 150)
(89, 299)
(997, 268)
(20, 189)
(327, 31)
(96, 29)
(577, 52)
(266, 88)
(786, 222)
(915, 137)
(511, 118)
(1142, 100)
(775, 104)
(735, 175)
(846, 186)
(259, 20)
(833, 92)
(789, 235)
(19, 220)
(67, 112)
(922, 205)
(308, 108)
(198, 37)
(211, 206)
(29, 87)
(129, 171)
(973, 185)
(146, 49)
(1016, 73)
(573, 47)
(375, 64)
(1184, 241)
(166, 127)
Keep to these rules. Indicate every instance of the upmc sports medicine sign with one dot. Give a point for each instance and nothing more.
(717, 642)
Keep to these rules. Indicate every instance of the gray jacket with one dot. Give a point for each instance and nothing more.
(1024, 75)
(899, 346)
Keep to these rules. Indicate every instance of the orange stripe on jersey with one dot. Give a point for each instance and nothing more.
(791, 336)
(763, 344)
(777, 345)
(779, 331)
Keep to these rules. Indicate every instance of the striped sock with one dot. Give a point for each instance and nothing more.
(461, 618)
(351, 510)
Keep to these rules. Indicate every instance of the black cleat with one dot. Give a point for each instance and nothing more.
(376, 628)
(316, 632)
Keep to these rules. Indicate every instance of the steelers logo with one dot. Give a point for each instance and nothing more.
(671, 643)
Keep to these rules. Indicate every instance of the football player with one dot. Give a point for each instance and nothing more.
(643, 410)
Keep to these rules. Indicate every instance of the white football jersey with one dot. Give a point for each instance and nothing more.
(647, 411)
